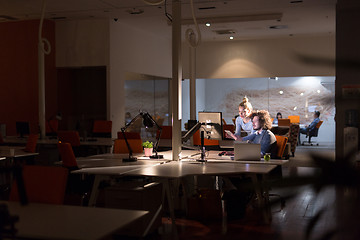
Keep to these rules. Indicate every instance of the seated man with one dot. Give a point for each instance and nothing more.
(261, 124)
(312, 125)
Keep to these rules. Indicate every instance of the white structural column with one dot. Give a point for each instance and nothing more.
(192, 83)
(41, 70)
(176, 80)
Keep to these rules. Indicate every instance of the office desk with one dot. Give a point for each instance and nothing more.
(164, 171)
(47, 221)
(99, 143)
(18, 152)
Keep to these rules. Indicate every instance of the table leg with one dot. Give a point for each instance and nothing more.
(263, 197)
(95, 189)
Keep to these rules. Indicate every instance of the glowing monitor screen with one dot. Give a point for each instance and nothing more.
(211, 125)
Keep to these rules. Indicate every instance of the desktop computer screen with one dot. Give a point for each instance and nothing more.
(211, 125)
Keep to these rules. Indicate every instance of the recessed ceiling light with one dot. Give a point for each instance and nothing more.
(208, 24)
(318, 91)
(302, 94)
(295, 108)
(281, 92)
(278, 27)
(231, 37)
(135, 11)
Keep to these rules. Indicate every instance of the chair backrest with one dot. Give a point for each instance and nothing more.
(207, 142)
(69, 136)
(281, 144)
(166, 132)
(31, 143)
(67, 156)
(315, 131)
(43, 184)
(294, 119)
(102, 128)
(283, 122)
(120, 146)
(52, 126)
(129, 135)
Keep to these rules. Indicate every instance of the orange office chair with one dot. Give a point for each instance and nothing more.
(102, 128)
(284, 122)
(313, 133)
(295, 119)
(67, 156)
(31, 143)
(69, 136)
(43, 184)
(120, 146)
(281, 142)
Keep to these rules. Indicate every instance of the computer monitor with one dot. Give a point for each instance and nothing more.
(211, 125)
(22, 128)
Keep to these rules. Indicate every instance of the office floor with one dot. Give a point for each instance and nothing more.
(291, 222)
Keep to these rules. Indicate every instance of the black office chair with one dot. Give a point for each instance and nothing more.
(313, 133)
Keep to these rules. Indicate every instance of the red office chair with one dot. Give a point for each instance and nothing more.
(102, 128)
(69, 136)
(43, 184)
(31, 143)
(67, 156)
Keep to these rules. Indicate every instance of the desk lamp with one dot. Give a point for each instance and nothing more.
(148, 122)
(190, 133)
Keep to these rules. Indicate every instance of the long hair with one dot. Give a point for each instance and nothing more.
(264, 118)
(246, 104)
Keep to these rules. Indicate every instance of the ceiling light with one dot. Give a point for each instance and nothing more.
(281, 92)
(135, 11)
(295, 108)
(231, 19)
(208, 24)
(318, 91)
(302, 94)
(278, 27)
(231, 37)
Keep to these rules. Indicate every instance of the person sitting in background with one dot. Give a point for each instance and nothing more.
(243, 121)
(278, 115)
(261, 124)
(312, 125)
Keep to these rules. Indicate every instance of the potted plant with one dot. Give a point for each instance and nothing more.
(148, 148)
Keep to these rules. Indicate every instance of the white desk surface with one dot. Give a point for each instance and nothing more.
(47, 141)
(46, 221)
(18, 152)
(111, 164)
(182, 169)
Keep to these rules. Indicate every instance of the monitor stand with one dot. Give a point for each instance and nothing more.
(202, 148)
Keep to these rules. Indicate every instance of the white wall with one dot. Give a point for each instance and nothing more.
(82, 43)
(262, 58)
(134, 50)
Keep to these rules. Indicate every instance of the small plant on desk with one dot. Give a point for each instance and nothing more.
(148, 148)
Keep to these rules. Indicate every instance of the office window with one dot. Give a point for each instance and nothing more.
(149, 94)
(288, 95)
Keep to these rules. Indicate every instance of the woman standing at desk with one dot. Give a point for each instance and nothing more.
(243, 121)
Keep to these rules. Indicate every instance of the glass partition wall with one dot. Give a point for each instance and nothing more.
(147, 94)
(289, 95)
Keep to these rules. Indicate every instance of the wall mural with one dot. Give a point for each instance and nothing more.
(293, 101)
